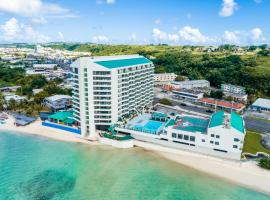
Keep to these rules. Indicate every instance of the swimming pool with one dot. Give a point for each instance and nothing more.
(153, 125)
(150, 127)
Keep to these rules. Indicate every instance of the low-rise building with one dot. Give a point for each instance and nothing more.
(261, 105)
(58, 102)
(164, 78)
(42, 67)
(188, 95)
(224, 105)
(221, 135)
(237, 93)
(178, 85)
(9, 97)
(233, 89)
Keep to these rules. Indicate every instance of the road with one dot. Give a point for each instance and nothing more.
(257, 125)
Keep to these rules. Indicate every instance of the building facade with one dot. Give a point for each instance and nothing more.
(188, 95)
(222, 135)
(164, 78)
(106, 89)
(178, 85)
(233, 89)
(261, 105)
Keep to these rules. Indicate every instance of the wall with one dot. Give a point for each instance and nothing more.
(64, 128)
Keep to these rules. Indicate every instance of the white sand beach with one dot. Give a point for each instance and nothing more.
(245, 173)
(36, 128)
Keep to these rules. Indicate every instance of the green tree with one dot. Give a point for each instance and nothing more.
(264, 163)
(165, 101)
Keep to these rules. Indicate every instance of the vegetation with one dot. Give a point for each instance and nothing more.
(165, 102)
(249, 68)
(253, 143)
(11, 77)
(264, 163)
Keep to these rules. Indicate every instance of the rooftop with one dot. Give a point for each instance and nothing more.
(237, 122)
(58, 97)
(217, 119)
(63, 116)
(265, 103)
(190, 82)
(225, 104)
(191, 124)
(123, 62)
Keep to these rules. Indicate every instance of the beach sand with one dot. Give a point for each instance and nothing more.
(245, 173)
(36, 128)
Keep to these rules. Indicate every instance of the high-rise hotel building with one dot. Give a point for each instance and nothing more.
(105, 89)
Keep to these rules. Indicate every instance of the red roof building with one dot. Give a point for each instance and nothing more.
(222, 104)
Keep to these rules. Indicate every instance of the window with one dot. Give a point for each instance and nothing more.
(216, 143)
(186, 137)
(212, 142)
(192, 138)
(212, 135)
(235, 146)
(180, 136)
(236, 140)
(217, 136)
(174, 135)
(203, 140)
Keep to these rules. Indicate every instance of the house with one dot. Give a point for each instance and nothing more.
(58, 102)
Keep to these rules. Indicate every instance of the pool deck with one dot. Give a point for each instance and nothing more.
(143, 123)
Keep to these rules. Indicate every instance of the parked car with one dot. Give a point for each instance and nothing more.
(183, 104)
(209, 111)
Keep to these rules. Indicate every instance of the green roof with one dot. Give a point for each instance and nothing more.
(63, 116)
(237, 122)
(123, 62)
(217, 119)
(194, 124)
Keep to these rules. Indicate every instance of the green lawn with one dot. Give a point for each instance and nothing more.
(252, 143)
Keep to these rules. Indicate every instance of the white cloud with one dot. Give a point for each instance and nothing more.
(157, 21)
(192, 35)
(13, 31)
(133, 36)
(30, 8)
(230, 37)
(257, 34)
(39, 20)
(61, 36)
(228, 8)
(100, 39)
(173, 37)
(186, 35)
(159, 35)
(110, 1)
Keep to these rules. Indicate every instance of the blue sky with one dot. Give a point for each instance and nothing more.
(198, 22)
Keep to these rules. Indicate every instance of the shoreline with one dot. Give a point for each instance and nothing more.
(246, 174)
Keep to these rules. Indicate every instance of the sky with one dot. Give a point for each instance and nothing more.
(175, 22)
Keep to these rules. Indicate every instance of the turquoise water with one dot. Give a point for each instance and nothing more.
(34, 168)
(153, 125)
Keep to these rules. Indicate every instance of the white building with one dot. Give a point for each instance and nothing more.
(177, 85)
(58, 102)
(42, 67)
(222, 135)
(107, 89)
(188, 95)
(16, 98)
(164, 78)
(261, 105)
